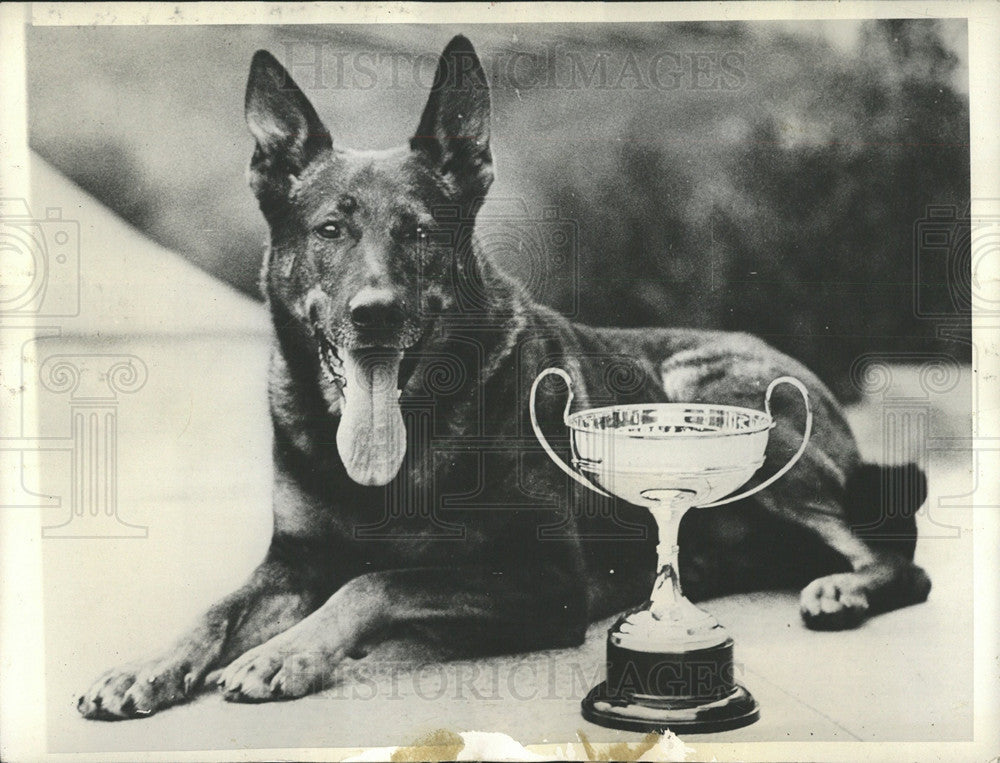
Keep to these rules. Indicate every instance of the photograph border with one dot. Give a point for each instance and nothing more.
(22, 700)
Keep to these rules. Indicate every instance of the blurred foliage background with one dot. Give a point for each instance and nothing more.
(765, 177)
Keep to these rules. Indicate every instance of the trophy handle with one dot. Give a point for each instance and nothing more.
(798, 454)
(541, 437)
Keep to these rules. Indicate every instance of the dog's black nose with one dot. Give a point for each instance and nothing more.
(376, 308)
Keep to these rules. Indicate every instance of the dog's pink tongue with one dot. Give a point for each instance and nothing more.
(371, 437)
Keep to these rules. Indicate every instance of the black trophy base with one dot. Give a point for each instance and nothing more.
(693, 691)
(639, 712)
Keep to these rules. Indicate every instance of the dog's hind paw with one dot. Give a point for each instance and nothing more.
(834, 603)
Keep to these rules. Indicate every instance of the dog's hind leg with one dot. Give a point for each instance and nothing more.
(854, 540)
(845, 600)
(879, 542)
(862, 513)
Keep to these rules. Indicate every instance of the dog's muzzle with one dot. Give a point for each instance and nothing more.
(363, 355)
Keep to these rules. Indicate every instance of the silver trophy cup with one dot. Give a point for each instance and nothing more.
(670, 663)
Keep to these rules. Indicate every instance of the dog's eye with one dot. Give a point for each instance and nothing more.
(329, 230)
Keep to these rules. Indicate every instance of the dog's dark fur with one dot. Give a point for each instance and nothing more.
(488, 551)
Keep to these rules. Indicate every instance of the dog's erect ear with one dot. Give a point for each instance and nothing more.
(454, 131)
(288, 131)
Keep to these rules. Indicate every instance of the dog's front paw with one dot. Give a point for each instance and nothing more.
(834, 603)
(137, 691)
(279, 669)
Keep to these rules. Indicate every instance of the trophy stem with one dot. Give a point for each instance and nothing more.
(667, 593)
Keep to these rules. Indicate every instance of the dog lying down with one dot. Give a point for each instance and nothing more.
(410, 505)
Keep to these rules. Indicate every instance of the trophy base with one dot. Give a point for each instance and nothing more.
(690, 690)
(638, 712)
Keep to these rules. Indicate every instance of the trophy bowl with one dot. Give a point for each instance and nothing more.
(670, 663)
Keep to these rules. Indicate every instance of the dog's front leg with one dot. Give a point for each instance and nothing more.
(477, 610)
(272, 600)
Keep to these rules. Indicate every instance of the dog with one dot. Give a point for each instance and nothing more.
(410, 505)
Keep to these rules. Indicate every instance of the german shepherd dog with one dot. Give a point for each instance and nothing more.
(405, 507)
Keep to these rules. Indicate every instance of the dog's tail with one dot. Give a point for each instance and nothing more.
(882, 504)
